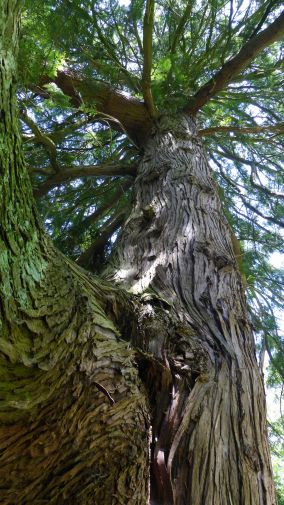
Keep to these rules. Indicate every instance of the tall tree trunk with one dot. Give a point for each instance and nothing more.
(197, 350)
(74, 421)
(74, 415)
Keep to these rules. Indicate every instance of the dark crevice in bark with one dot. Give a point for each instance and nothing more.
(196, 357)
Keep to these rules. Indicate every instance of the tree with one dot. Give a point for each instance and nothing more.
(145, 377)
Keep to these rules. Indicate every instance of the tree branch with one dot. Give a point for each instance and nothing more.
(111, 50)
(41, 138)
(69, 129)
(147, 53)
(234, 66)
(96, 249)
(264, 17)
(269, 192)
(225, 153)
(74, 172)
(125, 112)
(270, 219)
(180, 28)
(102, 210)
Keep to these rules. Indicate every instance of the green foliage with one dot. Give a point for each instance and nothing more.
(56, 97)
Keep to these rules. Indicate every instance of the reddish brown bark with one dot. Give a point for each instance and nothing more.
(118, 108)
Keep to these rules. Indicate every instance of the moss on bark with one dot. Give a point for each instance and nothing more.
(74, 419)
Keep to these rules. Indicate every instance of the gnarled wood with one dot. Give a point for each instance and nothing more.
(198, 360)
(73, 410)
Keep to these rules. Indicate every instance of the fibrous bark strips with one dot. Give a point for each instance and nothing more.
(74, 411)
(207, 393)
(74, 423)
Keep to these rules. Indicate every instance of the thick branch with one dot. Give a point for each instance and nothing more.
(124, 112)
(147, 53)
(41, 138)
(73, 172)
(234, 66)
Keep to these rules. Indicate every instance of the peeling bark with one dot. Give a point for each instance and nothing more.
(74, 417)
(198, 359)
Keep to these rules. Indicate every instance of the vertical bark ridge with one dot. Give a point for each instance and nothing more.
(176, 253)
(74, 419)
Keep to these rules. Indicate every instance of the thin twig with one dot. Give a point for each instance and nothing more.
(279, 128)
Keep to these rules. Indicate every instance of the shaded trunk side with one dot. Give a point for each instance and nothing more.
(197, 350)
(74, 419)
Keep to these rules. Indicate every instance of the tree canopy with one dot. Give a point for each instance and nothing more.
(95, 74)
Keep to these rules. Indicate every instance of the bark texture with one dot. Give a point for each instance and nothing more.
(74, 419)
(197, 355)
(73, 410)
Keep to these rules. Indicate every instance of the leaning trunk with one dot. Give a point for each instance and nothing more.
(197, 355)
(74, 421)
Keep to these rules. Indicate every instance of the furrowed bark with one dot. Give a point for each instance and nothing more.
(74, 425)
(73, 410)
(197, 355)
